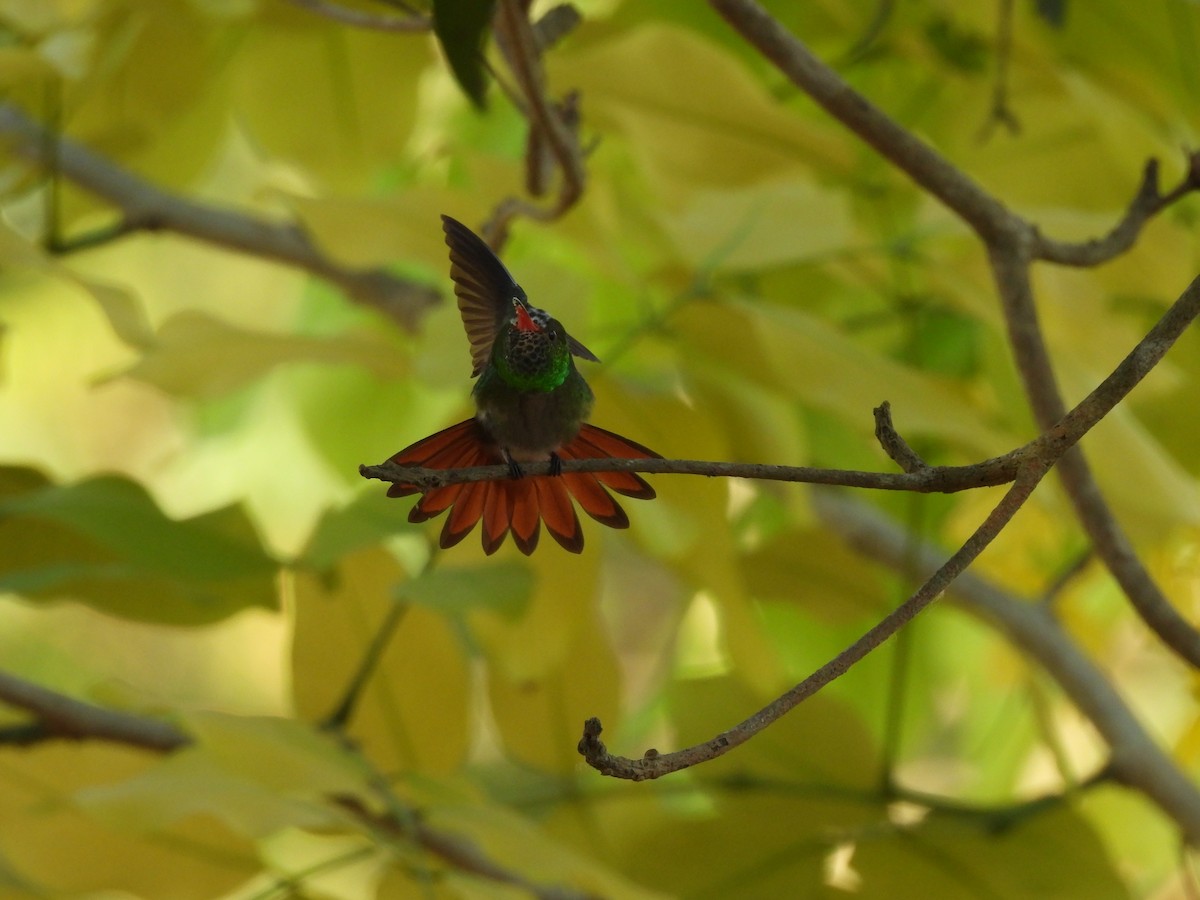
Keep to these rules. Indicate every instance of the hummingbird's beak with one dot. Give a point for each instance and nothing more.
(524, 320)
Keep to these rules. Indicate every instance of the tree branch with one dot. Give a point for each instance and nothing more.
(459, 852)
(146, 207)
(60, 716)
(932, 479)
(1010, 269)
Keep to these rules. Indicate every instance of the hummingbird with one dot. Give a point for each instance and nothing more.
(531, 404)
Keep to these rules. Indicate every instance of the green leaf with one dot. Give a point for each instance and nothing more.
(767, 223)
(65, 846)
(416, 708)
(254, 774)
(1053, 11)
(364, 521)
(944, 341)
(355, 114)
(461, 29)
(503, 588)
(199, 356)
(125, 313)
(964, 50)
(106, 543)
(821, 741)
(826, 579)
(1054, 853)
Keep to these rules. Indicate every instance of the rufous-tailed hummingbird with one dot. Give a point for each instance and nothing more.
(531, 403)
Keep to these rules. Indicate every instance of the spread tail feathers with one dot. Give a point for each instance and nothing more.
(520, 505)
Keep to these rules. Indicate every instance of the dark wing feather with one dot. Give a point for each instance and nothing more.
(484, 288)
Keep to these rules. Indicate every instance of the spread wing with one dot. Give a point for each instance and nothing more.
(484, 289)
(485, 292)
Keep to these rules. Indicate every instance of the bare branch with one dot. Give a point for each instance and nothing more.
(60, 716)
(925, 165)
(1146, 204)
(146, 207)
(893, 444)
(1056, 443)
(932, 479)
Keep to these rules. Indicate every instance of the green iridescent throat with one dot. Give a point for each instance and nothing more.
(532, 361)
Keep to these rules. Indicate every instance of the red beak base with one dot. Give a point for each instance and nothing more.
(524, 320)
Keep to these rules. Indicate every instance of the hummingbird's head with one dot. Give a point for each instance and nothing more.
(533, 351)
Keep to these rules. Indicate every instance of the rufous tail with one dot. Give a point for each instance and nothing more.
(520, 505)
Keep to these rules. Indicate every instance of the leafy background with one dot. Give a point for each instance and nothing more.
(185, 533)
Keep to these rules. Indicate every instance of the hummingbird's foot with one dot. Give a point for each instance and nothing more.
(514, 468)
(555, 464)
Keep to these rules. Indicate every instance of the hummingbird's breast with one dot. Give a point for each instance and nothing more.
(531, 425)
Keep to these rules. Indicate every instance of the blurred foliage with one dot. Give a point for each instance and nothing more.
(185, 533)
(461, 28)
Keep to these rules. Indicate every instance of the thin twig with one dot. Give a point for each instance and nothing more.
(1001, 113)
(145, 207)
(461, 853)
(932, 479)
(341, 713)
(1000, 817)
(895, 446)
(1054, 590)
(1146, 204)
